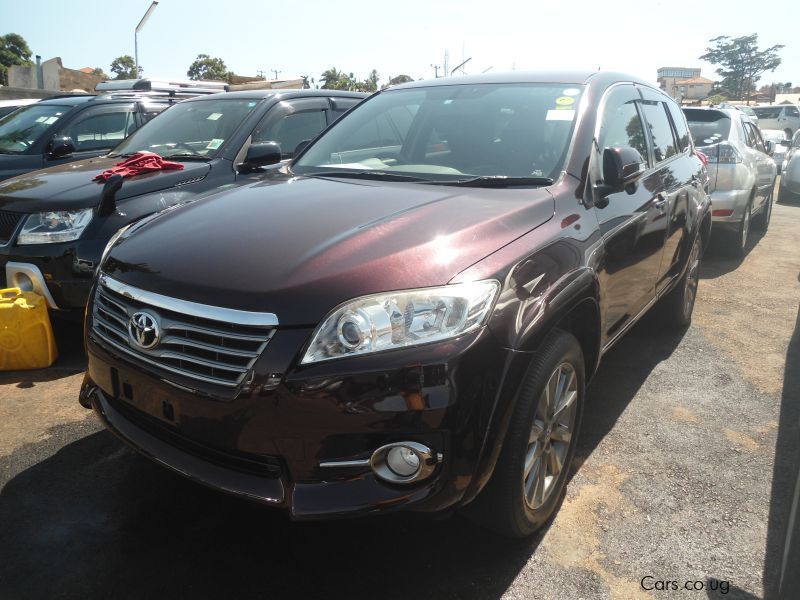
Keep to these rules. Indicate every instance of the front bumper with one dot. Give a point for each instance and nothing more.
(270, 445)
(735, 200)
(62, 273)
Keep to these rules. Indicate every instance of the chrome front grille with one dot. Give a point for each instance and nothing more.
(205, 343)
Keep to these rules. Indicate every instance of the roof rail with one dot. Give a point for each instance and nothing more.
(156, 85)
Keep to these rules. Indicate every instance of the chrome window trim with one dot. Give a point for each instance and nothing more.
(194, 309)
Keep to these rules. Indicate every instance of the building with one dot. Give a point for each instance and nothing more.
(54, 76)
(684, 83)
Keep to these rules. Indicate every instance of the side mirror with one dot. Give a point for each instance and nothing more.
(769, 146)
(60, 146)
(622, 166)
(261, 154)
(300, 147)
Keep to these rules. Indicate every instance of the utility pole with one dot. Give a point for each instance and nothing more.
(276, 72)
(436, 70)
(260, 73)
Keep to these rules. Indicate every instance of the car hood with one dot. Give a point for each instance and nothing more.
(70, 186)
(301, 247)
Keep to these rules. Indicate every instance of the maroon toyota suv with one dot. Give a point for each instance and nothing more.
(405, 317)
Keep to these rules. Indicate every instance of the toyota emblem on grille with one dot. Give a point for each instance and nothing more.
(143, 330)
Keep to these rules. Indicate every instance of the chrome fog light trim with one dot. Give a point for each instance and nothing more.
(404, 462)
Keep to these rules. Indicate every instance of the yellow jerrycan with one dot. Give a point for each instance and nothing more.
(26, 336)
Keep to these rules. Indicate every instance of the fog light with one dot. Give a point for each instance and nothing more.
(23, 282)
(403, 461)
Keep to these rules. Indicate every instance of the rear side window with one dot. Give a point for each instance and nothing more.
(707, 126)
(767, 112)
(664, 144)
(681, 128)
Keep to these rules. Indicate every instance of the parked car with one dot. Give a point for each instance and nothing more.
(741, 172)
(790, 178)
(9, 106)
(55, 222)
(741, 108)
(405, 316)
(777, 137)
(780, 116)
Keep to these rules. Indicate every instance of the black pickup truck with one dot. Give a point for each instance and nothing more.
(406, 315)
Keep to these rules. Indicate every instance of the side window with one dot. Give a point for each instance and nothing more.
(750, 139)
(664, 144)
(341, 106)
(621, 124)
(758, 143)
(291, 129)
(791, 111)
(101, 129)
(681, 127)
(151, 110)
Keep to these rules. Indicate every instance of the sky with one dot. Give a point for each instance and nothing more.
(307, 37)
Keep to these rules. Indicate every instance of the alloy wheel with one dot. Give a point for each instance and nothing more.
(551, 435)
(692, 279)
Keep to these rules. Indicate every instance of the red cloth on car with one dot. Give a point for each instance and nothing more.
(141, 162)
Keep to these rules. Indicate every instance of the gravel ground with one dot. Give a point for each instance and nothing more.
(674, 482)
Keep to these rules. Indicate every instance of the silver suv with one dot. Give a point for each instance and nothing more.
(740, 169)
(785, 117)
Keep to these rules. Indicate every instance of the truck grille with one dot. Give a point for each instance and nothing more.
(196, 347)
(8, 225)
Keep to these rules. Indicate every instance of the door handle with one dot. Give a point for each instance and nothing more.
(695, 181)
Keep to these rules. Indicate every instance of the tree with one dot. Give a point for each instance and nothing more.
(100, 73)
(14, 50)
(124, 67)
(206, 67)
(741, 62)
(370, 84)
(333, 79)
(398, 80)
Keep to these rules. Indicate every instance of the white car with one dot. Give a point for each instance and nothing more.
(740, 169)
(790, 179)
(785, 117)
(9, 106)
(777, 137)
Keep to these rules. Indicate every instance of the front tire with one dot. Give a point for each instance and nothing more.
(530, 477)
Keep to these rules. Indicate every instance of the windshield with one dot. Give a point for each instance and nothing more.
(446, 133)
(707, 126)
(21, 129)
(189, 129)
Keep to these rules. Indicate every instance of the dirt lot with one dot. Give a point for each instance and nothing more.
(688, 448)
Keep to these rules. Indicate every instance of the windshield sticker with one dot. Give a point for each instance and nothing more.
(47, 120)
(214, 144)
(213, 116)
(559, 114)
(571, 92)
(565, 101)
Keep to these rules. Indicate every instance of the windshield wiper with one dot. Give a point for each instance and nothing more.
(382, 175)
(497, 181)
(185, 156)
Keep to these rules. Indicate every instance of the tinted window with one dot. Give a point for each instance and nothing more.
(193, 127)
(621, 124)
(655, 114)
(707, 126)
(681, 128)
(791, 111)
(100, 130)
(341, 106)
(767, 112)
(292, 129)
(447, 132)
(21, 129)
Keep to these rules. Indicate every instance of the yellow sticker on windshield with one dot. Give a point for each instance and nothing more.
(565, 101)
(214, 144)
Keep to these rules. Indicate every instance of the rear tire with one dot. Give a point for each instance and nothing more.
(736, 244)
(761, 222)
(677, 306)
(530, 477)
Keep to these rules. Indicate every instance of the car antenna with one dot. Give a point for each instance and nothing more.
(108, 202)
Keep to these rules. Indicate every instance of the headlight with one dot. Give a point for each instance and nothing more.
(401, 319)
(55, 226)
